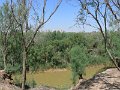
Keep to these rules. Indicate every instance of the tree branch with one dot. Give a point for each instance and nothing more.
(110, 8)
(43, 21)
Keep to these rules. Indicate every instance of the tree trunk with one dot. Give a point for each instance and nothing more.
(4, 59)
(80, 76)
(24, 29)
(24, 69)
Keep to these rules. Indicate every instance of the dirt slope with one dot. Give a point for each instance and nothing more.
(107, 80)
(4, 86)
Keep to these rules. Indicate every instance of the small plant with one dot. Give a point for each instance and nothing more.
(17, 81)
(31, 84)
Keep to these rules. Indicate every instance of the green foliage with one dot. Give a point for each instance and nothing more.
(115, 43)
(48, 52)
(79, 61)
(96, 59)
(10, 38)
(13, 69)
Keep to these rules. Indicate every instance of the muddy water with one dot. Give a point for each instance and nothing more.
(60, 78)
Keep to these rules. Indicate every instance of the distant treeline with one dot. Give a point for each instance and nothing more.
(52, 49)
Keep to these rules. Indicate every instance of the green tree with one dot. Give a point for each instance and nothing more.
(6, 22)
(115, 45)
(99, 12)
(79, 60)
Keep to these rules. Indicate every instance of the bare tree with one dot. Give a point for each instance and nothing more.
(98, 11)
(22, 20)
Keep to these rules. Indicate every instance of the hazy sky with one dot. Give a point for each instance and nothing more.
(65, 17)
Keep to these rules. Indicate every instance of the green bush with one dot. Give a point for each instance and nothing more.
(13, 69)
(79, 61)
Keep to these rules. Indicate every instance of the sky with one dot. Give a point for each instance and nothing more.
(65, 17)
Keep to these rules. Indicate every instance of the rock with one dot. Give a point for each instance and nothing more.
(77, 85)
(4, 86)
(107, 80)
(2, 72)
(5, 77)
